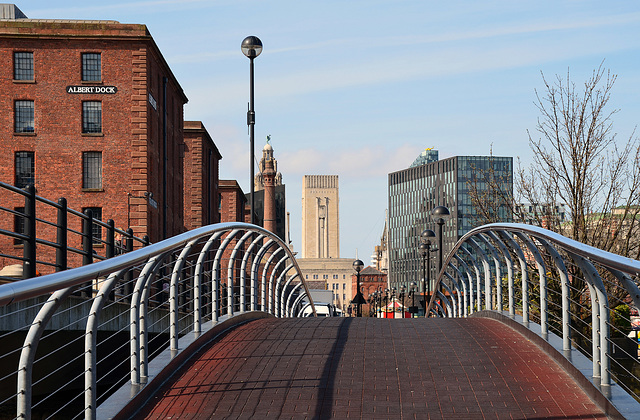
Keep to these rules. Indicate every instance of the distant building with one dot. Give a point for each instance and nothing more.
(276, 192)
(415, 191)
(428, 155)
(330, 274)
(320, 217)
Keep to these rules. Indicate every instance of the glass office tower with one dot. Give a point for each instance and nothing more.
(415, 191)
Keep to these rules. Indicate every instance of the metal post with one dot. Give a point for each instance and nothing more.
(61, 235)
(29, 250)
(251, 121)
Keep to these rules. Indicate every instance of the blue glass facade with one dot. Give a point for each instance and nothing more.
(415, 191)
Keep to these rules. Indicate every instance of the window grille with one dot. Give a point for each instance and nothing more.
(91, 67)
(92, 117)
(92, 170)
(24, 117)
(23, 66)
(25, 169)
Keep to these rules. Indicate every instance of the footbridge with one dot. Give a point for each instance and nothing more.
(525, 324)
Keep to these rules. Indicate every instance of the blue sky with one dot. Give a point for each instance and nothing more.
(360, 88)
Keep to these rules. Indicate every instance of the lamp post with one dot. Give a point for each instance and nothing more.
(440, 214)
(251, 47)
(403, 288)
(358, 300)
(425, 249)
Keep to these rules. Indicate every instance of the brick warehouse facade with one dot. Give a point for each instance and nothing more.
(90, 111)
(201, 177)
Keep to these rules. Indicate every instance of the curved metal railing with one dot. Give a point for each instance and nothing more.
(586, 296)
(141, 304)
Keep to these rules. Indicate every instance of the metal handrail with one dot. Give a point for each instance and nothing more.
(606, 278)
(195, 288)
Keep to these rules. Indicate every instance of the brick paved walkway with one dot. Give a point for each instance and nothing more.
(368, 368)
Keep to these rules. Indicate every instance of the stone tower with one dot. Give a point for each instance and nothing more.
(320, 217)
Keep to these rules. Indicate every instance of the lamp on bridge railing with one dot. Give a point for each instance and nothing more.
(425, 250)
(358, 300)
(440, 214)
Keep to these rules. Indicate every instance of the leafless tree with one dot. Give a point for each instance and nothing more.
(578, 162)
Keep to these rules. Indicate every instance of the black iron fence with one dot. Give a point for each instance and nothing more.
(28, 236)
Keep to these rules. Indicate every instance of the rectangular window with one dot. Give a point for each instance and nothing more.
(92, 170)
(91, 67)
(92, 117)
(18, 224)
(25, 165)
(96, 229)
(23, 66)
(24, 120)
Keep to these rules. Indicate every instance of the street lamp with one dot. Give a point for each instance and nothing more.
(440, 214)
(425, 249)
(251, 47)
(358, 300)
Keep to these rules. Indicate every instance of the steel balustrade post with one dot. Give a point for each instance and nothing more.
(259, 283)
(542, 273)
(498, 266)
(230, 277)
(273, 292)
(593, 278)
(288, 306)
(488, 287)
(488, 300)
(299, 299)
(61, 235)
(469, 281)
(564, 282)
(265, 270)
(255, 265)
(465, 290)
(135, 320)
(476, 268)
(87, 247)
(218, 257)
(509, 262)
(281, 294)
(28, 353)
(456, 310)
(628, 284)
(91, 344)
(176, 273)
(215, 283)
(524, 274)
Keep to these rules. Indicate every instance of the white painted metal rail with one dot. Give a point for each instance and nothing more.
(587, 297)
(64, 354)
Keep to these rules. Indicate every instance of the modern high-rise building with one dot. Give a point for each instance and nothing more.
(415, 191)
(320, 217)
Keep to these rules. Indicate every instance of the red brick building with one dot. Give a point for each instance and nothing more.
(371, 280)
(233, 202)
(90, 111)
(201, 175)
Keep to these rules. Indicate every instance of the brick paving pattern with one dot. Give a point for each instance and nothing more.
(366, 368)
